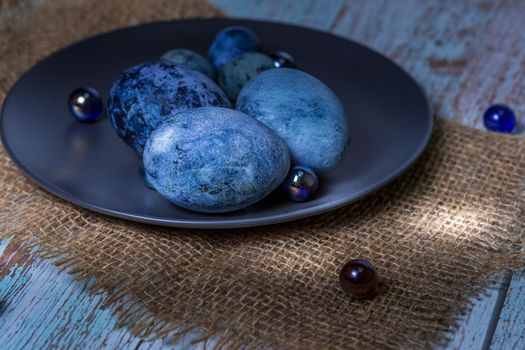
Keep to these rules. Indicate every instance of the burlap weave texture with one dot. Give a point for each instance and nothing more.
(434, 235)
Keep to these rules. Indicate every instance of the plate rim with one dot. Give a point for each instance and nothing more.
(218, 223)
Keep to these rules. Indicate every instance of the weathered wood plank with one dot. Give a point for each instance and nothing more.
(311, 13)
(44, 309)
(466, 54)
(510, 330)
(476, 327)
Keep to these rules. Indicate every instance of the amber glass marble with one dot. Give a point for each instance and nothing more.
(359, 278)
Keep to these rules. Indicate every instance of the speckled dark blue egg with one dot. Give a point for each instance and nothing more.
(303, 111)
(149, 93)
(191, 59)
(231, 42)
(236, 73)
(215, 160)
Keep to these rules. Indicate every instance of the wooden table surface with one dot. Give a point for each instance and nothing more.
(466, 54)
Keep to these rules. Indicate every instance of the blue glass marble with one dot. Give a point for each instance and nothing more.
(230, 43)
(301, 183)
(283, 59)
(85, 104)
(499, 118)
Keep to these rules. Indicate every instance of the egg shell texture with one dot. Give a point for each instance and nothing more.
(215, 160)
(149, 93)
(303, 111)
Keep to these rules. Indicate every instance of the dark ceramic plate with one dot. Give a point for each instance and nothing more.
(87, 164)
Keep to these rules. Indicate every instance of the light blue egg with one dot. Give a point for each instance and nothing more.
(303, 111)
(237, 72)
(214, 160)
(191, 59)
(147, 94)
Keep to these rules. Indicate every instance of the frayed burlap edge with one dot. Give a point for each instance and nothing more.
(435, 235)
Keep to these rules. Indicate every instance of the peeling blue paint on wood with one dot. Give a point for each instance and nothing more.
(510, 330)
(44, 308)
(319, 14)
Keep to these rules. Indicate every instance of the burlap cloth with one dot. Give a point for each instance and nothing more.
(434, 235)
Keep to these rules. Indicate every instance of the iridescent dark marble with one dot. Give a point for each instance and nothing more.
(301, 183)
(499, 118)
(283, 59)
(85, 104)
(359, 278)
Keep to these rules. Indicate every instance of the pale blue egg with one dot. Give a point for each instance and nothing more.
(214, 160)
(303, 111)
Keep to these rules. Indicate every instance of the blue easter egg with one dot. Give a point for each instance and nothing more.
(236, 73)
(303, 111)
(147, 94)
(231, 42)
(191, 59)
(214, 160)
(499, 118)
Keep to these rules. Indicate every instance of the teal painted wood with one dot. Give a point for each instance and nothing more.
(319, 14)
(466, 54)
(43, 308)
(440, 43)
(476, 327)
(510, 330)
